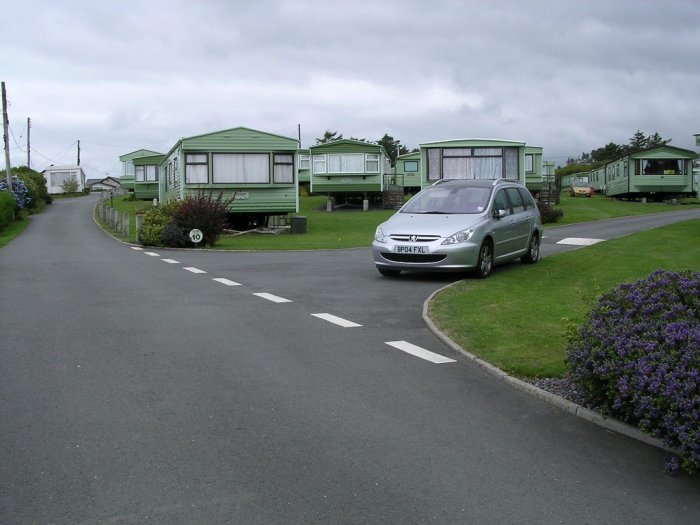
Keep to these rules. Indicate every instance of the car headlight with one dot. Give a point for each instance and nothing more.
(379, 235)
(459, 237)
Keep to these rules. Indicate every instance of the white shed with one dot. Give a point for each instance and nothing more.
(55, 176)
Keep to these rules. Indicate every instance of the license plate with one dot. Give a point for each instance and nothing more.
(411, 249)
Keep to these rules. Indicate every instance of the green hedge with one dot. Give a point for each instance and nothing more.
(7, 209)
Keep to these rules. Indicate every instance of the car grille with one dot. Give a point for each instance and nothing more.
(411, 238)
(413, 257)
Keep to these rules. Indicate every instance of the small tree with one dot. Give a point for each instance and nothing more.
(70, 185)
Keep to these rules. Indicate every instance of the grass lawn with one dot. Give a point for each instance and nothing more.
(519, 318)
(13, 230)
(325, 231)
(583, 209)
(353, 229)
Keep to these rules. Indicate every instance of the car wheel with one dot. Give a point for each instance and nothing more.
(484, 264)
(388, 273)
(533, 250)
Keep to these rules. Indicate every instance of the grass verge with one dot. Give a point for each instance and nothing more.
(13, 230)
(583, 209)
(519, 319)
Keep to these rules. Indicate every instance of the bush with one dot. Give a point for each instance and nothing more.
(549, 213)
(637, 357)
(19, 191)
(174, 237)
(204, 213)
(154, 222)
(70, 186)
(37, 187)
(7, 209)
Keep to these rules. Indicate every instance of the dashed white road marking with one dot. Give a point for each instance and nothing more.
(273, 298)
(417, 351)
(152, 254)
(137, 248)
(579, 241)
(170, 261)
(337, 320)
(227, 282)
(194, 270)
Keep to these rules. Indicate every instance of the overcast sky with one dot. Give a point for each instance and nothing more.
(569, 76)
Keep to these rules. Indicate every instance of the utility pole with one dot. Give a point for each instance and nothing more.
(5, 125)
(299, 134)
(78, 153)
(29, 155)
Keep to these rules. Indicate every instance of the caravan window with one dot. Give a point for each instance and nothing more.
(346, 163)
(472, 163)
(151, 173)
(371, 163)
(662, 167)
(196, 168)
(283, 169)
(319, 164)
(410, 166)
(241, 168)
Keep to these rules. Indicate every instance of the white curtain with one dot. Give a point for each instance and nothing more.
(241, 168)
(455, 168)
(140, 177)
(486, 168)
(151, 173)
(283, 170)
(319, 164)
(348, 163)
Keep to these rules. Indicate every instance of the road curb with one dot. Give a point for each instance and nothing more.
(610, 424)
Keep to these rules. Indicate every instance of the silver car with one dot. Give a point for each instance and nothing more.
(458, 225)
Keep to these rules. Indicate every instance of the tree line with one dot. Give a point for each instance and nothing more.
(611, 151)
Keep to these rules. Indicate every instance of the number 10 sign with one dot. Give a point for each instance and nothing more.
(196, 236)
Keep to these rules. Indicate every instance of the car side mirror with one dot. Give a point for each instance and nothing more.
(499, 214)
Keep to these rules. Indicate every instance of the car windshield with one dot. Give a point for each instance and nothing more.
(447, 200)
(580, 184)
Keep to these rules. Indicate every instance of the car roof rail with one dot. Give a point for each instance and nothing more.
(503, 181)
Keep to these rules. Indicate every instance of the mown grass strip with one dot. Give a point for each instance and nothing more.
(519, 318)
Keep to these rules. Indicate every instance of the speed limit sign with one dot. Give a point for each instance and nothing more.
(196, 236)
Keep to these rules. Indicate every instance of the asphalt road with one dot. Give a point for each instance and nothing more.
(137, 389)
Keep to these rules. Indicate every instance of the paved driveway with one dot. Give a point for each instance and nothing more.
(171, 386)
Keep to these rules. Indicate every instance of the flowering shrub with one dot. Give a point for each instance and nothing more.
(19, 191)
(637, 357)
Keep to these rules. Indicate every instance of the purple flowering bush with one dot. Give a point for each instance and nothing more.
(637, 358)
(19, 191)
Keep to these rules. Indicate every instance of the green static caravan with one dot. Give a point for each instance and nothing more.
(147, 176)
(304, 169)
(128, 173)
(472, 159)
(258, 170)
(348, 169)
(580, 176)
(534, 180)
(658, 172)
(408, 172)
